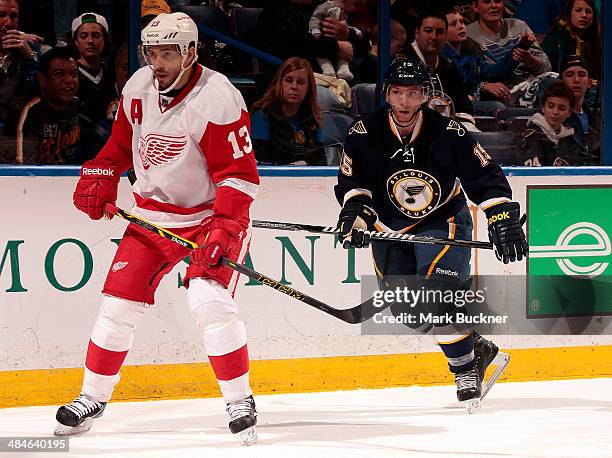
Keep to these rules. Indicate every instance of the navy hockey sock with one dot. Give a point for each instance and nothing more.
(460, 354)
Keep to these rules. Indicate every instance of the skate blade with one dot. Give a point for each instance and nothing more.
(471, 405)
(500, 362)
(63, 430)
(248, 436)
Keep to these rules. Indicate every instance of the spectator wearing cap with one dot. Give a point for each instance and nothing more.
(90, 35)
(48, 131)
(18, 64)
(585, 119)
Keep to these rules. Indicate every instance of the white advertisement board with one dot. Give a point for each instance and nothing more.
(54, 261)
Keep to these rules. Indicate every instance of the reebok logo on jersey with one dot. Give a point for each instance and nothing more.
(159, 150)
(119, 265)
(499, 217)
(98, 171)
(447, 272)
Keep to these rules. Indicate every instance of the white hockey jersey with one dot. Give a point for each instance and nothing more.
(193, 157)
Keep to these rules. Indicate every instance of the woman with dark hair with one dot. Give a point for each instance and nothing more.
(576, 32)
(285, 122)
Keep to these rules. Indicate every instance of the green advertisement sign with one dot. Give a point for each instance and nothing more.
(569, 271)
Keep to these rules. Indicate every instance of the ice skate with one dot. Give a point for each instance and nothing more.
(243, 418)
(78, 416)
(469, 389)
(487, 353)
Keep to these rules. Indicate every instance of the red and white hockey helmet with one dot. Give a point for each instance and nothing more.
(171, 29)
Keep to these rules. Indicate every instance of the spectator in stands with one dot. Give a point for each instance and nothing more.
(18, 65)
(369, 67)
(48, 131)
(282, 31)
(507, 37)
(585, 119)
(149, 10)
(122, 74)
(285, 123)
(90, 35)
(548, 142)
(335, 10)
(449, 95)
(539, 15)
(575, 33)
(474, 65)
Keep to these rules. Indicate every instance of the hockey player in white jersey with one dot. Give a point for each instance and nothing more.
(185, 131)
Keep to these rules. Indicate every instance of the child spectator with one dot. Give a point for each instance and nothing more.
(48, 131)
(285, 123)
(448, 94)
(503, 38)
(575, 33)
(333, 9)
(547, 141)
(474, 65)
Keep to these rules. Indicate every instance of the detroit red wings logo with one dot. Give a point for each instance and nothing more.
(159, 150)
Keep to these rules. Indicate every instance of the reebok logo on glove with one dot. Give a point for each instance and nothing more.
(98, 171)
(499, 217)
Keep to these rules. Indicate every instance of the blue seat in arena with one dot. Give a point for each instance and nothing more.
(517, 123)
(243, 22)
(208, 16)
(363, 96)
(335, 127)
(488, 123)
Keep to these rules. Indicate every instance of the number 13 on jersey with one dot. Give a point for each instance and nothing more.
(245, 139)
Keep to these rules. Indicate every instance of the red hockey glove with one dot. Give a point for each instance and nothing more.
(219, 237)
(97, 186)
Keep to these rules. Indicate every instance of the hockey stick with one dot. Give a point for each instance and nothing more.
(385, 236)
(354, 315)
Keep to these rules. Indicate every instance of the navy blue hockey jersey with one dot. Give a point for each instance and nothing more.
(422, 177)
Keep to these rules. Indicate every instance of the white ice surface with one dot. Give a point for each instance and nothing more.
(569, 418)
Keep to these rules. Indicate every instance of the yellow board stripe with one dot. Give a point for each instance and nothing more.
(177, 381)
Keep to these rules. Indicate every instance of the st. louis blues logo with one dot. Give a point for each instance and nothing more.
(413, 192)
(159, 150)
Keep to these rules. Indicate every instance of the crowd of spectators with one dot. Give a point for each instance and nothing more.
(529, 67)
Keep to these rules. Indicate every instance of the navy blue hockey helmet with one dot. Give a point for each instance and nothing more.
(408, 72)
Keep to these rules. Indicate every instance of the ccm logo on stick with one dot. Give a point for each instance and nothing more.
(107, 172)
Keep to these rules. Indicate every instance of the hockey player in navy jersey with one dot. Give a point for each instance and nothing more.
(405, 169)
(185, 131)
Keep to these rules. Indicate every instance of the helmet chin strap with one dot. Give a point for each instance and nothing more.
(411, 121)
(175, 82)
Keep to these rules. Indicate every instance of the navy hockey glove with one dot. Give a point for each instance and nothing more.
(506, 232)
(356, 219)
